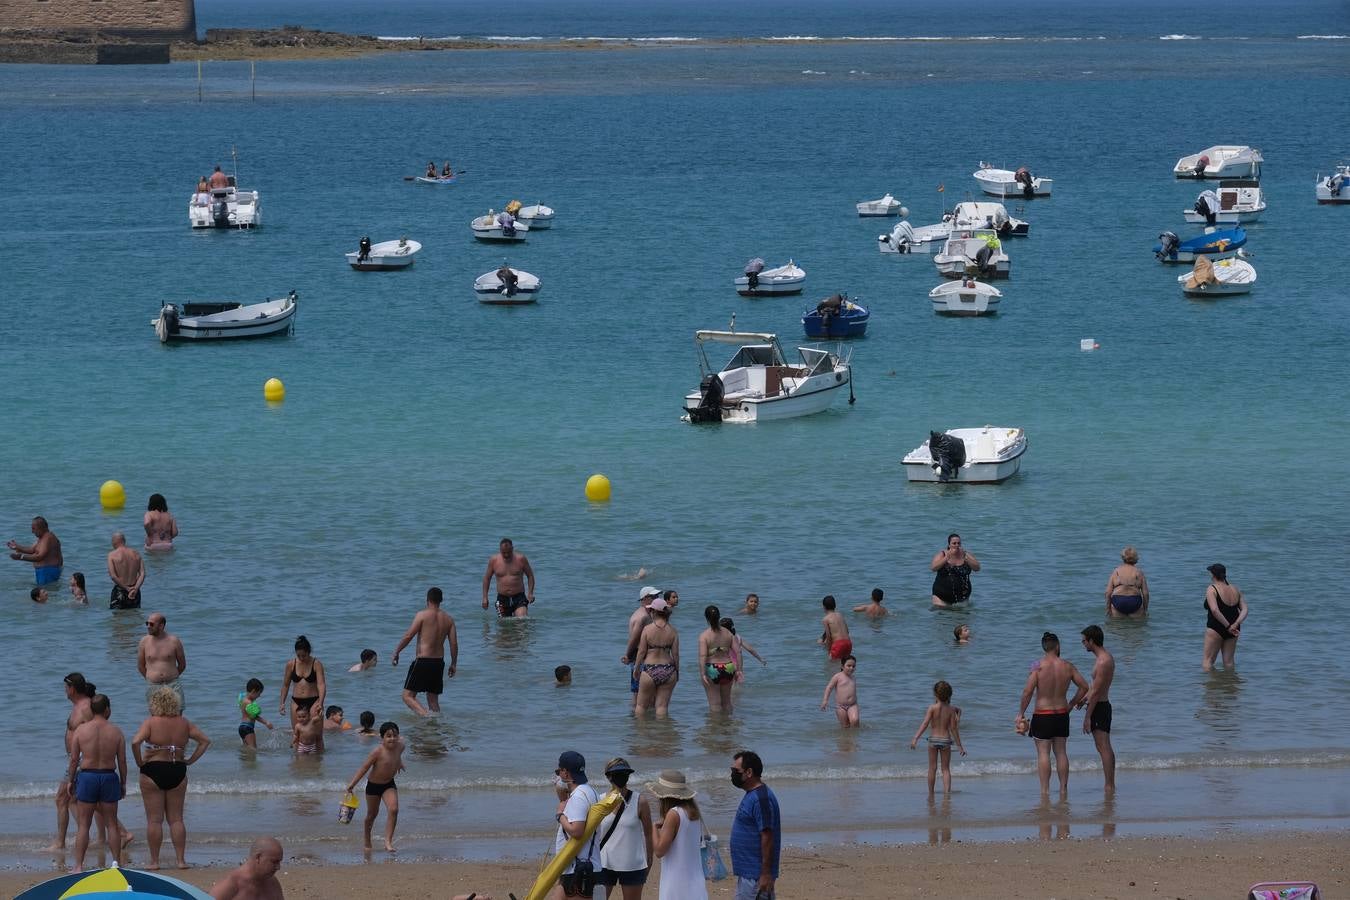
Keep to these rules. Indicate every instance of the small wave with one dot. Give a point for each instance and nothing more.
(812, 72)
(512, 37)
(607, 39)
(420, 37)
(794, 37)
(1324, 37)
(1180, 37)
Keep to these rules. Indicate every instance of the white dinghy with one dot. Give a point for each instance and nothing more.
(210, 321)
(507, 287)
(1223, 278)
(499, 227)
(885, 207)
(385, 255)
(1334, 188)
(1009, 183)
(1233, 203)
(536, 216)
(976, 254)
(985, 455)
(225, 207)
(761, 282)
(966, 297)
(758, 385)
(1221, 161)
(971, 214)
(905, 238)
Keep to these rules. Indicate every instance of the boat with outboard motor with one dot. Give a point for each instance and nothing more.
(1010, 183)
(761, 282)
(977, 254)
(218, 320)
(966, 297)
(1221, 161)
(758, 384)
(836, 317)
(1216, 243)
(885, 207)
(985, 455)
(225, 207)
(507, 287)
(1334, 188)
(1234, 202)
(971, 214)
(499, 227)
(905, 238)
(1223, 278)
(385, 255)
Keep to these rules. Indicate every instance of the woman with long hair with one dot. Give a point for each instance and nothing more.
(678, 836)
(303, 680)
(715, 663)
(160, 525)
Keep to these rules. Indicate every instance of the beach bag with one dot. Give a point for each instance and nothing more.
(714, 869)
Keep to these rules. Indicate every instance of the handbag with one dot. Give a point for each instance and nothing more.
(714, 869)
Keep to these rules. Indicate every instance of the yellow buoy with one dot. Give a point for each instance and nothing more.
(112, 495)
(597, 489)
(274, 391)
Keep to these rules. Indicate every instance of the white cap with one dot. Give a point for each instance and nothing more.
(649, 591)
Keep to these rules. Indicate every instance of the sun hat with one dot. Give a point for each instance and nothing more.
(671, 784)
(616, 765)
(659, 605)
(649, 591)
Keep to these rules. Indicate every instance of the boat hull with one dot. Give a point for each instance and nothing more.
(837, 328)
(771, 290)
(971, 473)
(802, 403)
(1226, 217)
(495, 236)
(957, 305)
(1009, 187)
(379, 264)
(190, 329)
(536, 218)
(422, 179)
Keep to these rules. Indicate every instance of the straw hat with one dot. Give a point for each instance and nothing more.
(671, 784)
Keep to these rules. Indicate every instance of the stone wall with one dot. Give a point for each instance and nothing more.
(164, 20)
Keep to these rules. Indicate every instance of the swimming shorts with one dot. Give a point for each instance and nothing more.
(1127, 604)
(122, 599)
(46, 574)
(720, 672)
(1101, 716)
(176, 686)
(633, 679)
(609, 878)
(425, 676)
(841, 648)
(246, 728)
(98, 786)
(507, 605)
(660, 673)
(166, 775)
(377, 790)
(1050, 724)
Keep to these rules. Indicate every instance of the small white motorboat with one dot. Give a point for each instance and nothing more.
(210, 321)
(224, 207)
(1222, 278)
(1334, 188)
(761, 282)
(966, 297)
(536, 216)
(1009, 183)
(974, 254)
(506, 287)
(1235, 202)
(905, 238)
(886, 206)
(985, 455)
(370, 257)
(500, 227)
(1221, 161)
(970, 214)
(758, 385)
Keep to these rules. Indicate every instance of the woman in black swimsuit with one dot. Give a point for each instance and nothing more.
(303, 679)
(1225, 611)
(951, 584)
(159, 747)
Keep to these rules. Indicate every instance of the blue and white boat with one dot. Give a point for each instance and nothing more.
(836, 317)
(1216, 243)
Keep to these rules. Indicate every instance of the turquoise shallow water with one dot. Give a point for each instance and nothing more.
(420, 427)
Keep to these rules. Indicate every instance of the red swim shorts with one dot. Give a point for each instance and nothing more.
(841, 648)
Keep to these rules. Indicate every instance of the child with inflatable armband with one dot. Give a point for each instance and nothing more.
(250, 712)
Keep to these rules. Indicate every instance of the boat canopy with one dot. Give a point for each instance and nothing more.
(736, 337)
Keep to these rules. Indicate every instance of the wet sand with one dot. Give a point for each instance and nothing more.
(1215, 868)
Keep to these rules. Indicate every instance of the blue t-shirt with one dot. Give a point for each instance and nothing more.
(758, 811)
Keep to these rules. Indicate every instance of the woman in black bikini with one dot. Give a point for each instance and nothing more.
(303, 680)
(159, 747)
(658, 661)
(1225, 611)
(953, 565)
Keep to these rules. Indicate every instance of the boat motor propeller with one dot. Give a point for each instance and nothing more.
(1167, 247)
(709, 407)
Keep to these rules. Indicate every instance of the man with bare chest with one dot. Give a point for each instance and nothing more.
(1049, 683)
(160, 657)
(44, 553)
(433, 628)
(256, 877)
(127, 572)
(1097, 720)
(512, 571)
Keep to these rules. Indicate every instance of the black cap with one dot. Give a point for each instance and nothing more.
(574, 762)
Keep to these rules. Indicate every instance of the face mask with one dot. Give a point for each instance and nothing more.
(738, 779)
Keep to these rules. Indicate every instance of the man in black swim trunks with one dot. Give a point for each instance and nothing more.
(1097, 721)
(512, 571)
(433, 629)
(1049, 682)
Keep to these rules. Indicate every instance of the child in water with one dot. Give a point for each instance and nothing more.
(251, 713)
(962, 634)
(307, 734)
(335, 720)
(368, 661)
(845, 690)
(367, 725)
(383, 763)
(737, 645)
(945, 720)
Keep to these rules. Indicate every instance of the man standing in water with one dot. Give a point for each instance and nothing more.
(127, 572)
(44, 553)
(1049, 682)
(639, 620)
(511, 569)
(1097, 720)
(99, 755)
(160, 658)
(433, 628)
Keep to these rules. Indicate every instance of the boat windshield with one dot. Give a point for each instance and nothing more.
(754, 355)
(816, 361)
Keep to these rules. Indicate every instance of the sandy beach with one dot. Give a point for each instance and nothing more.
(1184, 868)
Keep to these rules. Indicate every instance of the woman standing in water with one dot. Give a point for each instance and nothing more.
(658, 661)
(160, 526)
(1127, 588)
(159, 748)
(1225, 611)
(953, 565)
(303, 680)
(715, 664)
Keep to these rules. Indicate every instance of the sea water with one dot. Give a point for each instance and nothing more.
(420, 427)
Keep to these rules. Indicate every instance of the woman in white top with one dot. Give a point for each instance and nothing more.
(678, 836)
(625, 837)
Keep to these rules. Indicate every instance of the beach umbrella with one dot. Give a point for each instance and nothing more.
(110, 883)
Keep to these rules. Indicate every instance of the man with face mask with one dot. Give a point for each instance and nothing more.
(756, 832)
